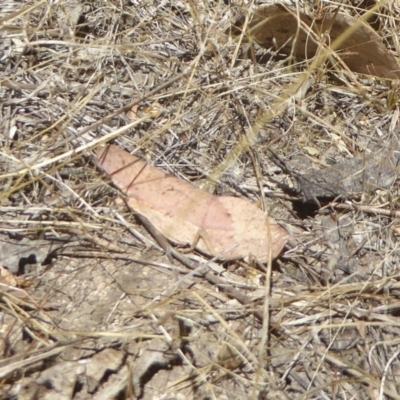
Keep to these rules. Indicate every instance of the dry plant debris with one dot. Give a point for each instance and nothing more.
(224, 227)
(111, 313)
(353, 41)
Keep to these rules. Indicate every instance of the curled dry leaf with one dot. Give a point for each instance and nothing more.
(220, 226)
(363, 52)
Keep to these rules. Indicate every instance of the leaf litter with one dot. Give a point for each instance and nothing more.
(192, 328)
(221, 226)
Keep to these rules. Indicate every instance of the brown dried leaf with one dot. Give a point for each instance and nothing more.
(220, 226)
(7, 277)
(133, 112)
(363, 52)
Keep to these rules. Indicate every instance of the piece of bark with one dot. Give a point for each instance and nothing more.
(220, 226)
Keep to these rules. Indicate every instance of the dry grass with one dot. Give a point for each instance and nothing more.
(107, 315)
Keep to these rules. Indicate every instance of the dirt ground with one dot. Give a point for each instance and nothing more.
(94, 307)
